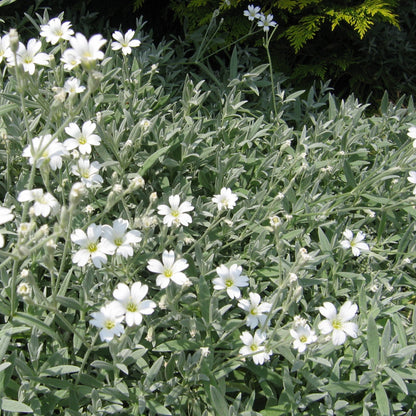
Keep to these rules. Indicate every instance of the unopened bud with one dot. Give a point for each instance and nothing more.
(153, 197)
(136, 182)
(94, 80)
(14, 40)
(77, 191)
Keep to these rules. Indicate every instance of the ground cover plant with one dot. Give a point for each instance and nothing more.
(177, 239)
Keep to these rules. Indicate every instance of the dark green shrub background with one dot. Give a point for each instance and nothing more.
(383, 60)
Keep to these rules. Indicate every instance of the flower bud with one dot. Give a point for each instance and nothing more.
(77, 191)
(14, 40)
(153, 197)
(136, 182)
(94, 80)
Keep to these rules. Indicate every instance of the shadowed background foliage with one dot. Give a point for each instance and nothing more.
(366, 56)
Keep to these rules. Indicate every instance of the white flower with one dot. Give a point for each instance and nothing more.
(303, 336)
(70, 59)
(226, 199)
(23, 289)
(412, 176)
(293, 277)
(145, 124)
(132, 303)
(88, 172)
(169, 269)
(230, 279)
(5, 215)
(266, 22)
(82, 139)
(29, 56)
(255, 310)
(176, 213)
(147, 222)
(44, 205)
(4, 47)
(275, 221)
(252, 12)
(253, 347)
(356, 244)
(87, 51)
(411, 132)
(119, 239)
(109, 319)
(125, 43)
(338, 323)
(204, 351)
(73, 86)
(299, 321)
(91, 248)
(55, 30)
(44, 150)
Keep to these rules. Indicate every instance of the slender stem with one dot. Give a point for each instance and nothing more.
(63, 257)
(85, 359)
(266, 44)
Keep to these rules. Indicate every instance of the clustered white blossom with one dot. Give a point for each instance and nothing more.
(264, 21)
(337, 324)
(129, 306)
(100, 241)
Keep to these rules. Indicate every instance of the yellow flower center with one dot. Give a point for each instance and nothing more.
(109, 324)
(303, 338)
(229, 282)
(82, 140)
(253, 311)
(92, 247)
(337, 324)
(254, 347)
(168, 273)
(131, 307)
(85, 174)
(118, 241)
(175, 213)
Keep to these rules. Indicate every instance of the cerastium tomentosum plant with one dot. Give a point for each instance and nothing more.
(167, 252)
